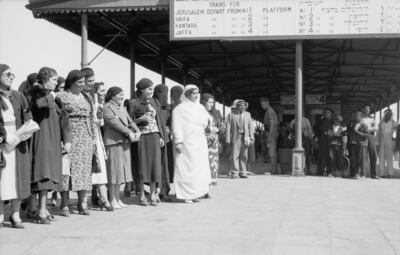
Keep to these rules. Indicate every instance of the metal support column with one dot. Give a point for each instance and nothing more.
(184, 78)
(163, 64)
(132, 57)
(84, 40)
(298, 161)
(223, 108)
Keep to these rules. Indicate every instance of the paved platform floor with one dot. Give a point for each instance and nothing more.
(260, 215)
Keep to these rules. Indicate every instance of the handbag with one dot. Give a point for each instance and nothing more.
(3, 161)
(95, 161)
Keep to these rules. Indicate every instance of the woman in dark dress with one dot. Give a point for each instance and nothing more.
(161, 94)
(145, 111)
(47, 111)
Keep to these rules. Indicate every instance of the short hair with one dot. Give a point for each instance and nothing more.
(264, 99)
(88, 72)
(45, 73)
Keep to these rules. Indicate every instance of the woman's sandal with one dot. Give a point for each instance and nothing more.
(144, 202)
(42, 220)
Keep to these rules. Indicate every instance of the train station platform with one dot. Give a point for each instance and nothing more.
(259, 215)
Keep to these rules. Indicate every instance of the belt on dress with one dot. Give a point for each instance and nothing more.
(78, 116)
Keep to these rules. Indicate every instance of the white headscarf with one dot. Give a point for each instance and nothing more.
(191, 109)
(184, 99)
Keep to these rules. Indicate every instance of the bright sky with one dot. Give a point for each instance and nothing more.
(27, 44)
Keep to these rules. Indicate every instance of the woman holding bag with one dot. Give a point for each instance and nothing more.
(117, 138)
(15, 177)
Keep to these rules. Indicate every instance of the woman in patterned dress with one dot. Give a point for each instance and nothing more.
(99, 174)
(215, 127)
(80, 112)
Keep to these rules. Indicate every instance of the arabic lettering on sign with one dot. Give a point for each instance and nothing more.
(290, 19)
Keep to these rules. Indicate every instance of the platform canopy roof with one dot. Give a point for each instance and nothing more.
(350, 72)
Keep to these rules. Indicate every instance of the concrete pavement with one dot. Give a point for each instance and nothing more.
(260, 215)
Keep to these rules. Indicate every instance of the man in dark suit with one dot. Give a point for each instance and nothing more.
(239, 137)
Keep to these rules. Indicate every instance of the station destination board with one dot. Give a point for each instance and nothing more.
(283, 19)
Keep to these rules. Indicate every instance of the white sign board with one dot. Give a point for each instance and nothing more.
(309, 99)
(315, 99)
(283, 19)
(288, 100)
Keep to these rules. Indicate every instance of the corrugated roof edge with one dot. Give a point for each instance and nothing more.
(39, 12)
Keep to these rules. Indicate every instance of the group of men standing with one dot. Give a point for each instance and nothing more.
(333, 139)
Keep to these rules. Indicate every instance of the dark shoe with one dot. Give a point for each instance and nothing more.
(42, 220)
(167, 199)
(51, 218)
(196, 200)
(127, 193)
(244, 176)
(30, 215)
(207, 196)
(83, 210)
(376, 177)
(65, 212)
(107, 206)
(15, 224)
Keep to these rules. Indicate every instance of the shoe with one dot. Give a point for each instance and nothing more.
(51, 218)
(207, 196)
(196, 200)
(244, 176)
(2, 224)
(127, 193)
(30, 215)
(115, 205)
(41, 220)
(144, 201)
(376, 177)
(83, 210)
(157, 198)
(107, 206)
(167, 199)
(15, 224)
(234, 176)
(187, 201)
(53, 201)
(250, 173)
(267, 173)
(122, 204)
(65, 212)
(153, 202)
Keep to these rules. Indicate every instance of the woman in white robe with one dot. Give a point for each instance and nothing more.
(192, 168)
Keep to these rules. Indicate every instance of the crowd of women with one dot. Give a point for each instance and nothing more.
(91, 139)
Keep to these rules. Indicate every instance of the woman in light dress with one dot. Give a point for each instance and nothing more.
(15, 177)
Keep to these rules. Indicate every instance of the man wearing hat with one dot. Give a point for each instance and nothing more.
(271, 128)
(239, 137)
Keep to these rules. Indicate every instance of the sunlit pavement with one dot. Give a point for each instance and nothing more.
(259, 215)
